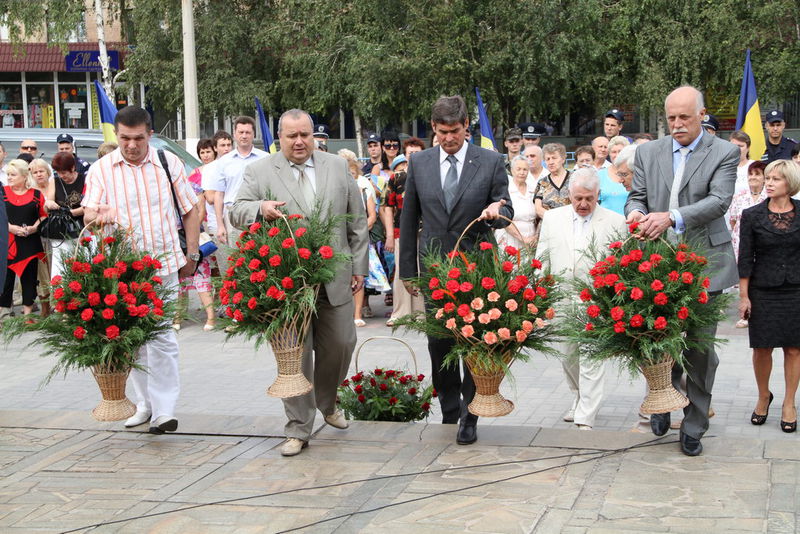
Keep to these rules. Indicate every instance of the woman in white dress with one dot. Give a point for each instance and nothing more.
(742, 140)
(521, 193)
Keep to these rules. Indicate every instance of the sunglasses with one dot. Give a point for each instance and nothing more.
(28, 148)
(391, 145)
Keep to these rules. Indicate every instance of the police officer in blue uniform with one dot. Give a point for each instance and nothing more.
(321, 134)
(710, 124)
(612, 124)
(66, 143)
(532, 133)
(778, 146)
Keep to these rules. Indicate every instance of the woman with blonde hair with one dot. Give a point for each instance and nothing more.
(552, 191)
(25, 211)
(42, 175)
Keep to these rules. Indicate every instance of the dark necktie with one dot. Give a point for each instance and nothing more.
(451, 183)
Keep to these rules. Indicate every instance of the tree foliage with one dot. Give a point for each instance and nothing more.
(389, 60)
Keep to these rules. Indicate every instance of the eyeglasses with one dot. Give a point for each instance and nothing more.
(624, 175)
(391, 145)
(28, 147)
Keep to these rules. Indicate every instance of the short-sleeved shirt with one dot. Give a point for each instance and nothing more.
(613, 194)
(231, 172)
(551, 195)
(142, 197)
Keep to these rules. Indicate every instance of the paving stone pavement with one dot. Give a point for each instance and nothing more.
(60, 470)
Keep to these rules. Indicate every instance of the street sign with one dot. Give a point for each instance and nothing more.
(89, 60)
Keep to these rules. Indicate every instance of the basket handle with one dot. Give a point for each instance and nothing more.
(411, 350)
(474, 222)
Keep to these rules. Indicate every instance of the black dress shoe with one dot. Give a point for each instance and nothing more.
(467, 434)
(690, 446)
(659, 423)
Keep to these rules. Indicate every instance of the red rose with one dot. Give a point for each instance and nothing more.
(434, 283)
(275, 260)
(706, 282)
(122, 288)
(121, 266)
(585, 295)
(636, 293)
(110, 299)
(611, 279)
(60, 306)
(536, 264)
(255, 227)
(589, 327)
(507, 266)
(263, 250)
(383, 387)
(59, 293)
(75, 286)
(637, 321)
(683, 313)
(625, 261)
(636, 254)
(93, 298)
(515, 287)
(687, 278)
(619, 287)
(454, 273)
(599, 282)
(703, 298)
(593, 311)
(252, 303)
(633, 226)
(108, 240)
(619, 327)
(237, 316)
(56, 280)
(488, 283)
(611, 260)
(437, 294)
(680, 256)
(412, 391)
(157, 280)
(272, 291)
(463, 310)
(673, 276)
(287, 282)
(657, 285)
(465, 286)
(530, 294)
(108, 314)
(304, 253)
(98, 259)
(359, 388)
(79, 332)
(449, 307)
(393, 401)
(287, 243)
(661, 299)
(87, 314)
(299, 232)
(486, 246)
(112, 332)
(617, 313)
(362, 398)
(645, 266)
(326, 252)
(273, 231)
(250, 245)
(258, 276)
(452, 285)
(237, 297)
(660, 323)
(129, 298)
(426, 406)
(254, 264)
(137, 265)
(541, 291)
(655, 258)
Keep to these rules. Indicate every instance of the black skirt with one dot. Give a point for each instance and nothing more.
(774, 317)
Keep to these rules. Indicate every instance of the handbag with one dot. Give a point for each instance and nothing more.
(181, 232)
(59, 224)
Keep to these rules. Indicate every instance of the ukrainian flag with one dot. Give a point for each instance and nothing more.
(748, 119)
(266, 134)
(487, 137)
(107, 114)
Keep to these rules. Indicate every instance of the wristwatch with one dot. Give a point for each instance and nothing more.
(194, 256)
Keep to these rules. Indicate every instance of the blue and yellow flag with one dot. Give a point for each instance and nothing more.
(748, 119)
(269, 144)
(487, 137)
(108, 111)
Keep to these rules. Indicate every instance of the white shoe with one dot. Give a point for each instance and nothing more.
(337, 420)
(359, 322)
(165, 423)
(139, 418)
(293, 446)
(583, 427)
(208, 327)
(569, 417)
(176, 326)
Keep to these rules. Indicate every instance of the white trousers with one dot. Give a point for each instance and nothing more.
(585, 379)
(59, 247)
(157, 386)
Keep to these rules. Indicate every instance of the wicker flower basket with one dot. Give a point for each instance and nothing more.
(662, 397)
(287, 345)
(488, 402)
(115, 406)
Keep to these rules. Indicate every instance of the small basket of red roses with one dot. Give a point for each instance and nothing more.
(108, 303)
(270, 289)
(644, 297)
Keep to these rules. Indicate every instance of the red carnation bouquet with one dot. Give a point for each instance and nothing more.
(643, 298)
(108, 303)
(494, 302)
(270, 289)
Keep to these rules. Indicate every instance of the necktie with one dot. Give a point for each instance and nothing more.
(305, 186)
(451, 183)
(676, 181)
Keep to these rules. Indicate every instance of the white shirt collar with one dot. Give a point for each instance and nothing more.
(576, 217)
(461, 155)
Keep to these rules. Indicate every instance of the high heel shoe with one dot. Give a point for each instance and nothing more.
(788, 426)
(757, 419)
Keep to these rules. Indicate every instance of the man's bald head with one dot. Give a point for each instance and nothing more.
(684, 109)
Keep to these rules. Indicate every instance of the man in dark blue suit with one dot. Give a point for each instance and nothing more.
(447, 187)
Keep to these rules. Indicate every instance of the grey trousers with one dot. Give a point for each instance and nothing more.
(326, 358)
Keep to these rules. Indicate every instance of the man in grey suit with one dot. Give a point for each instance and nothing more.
(296, 177)
(684, 184)
(447, 187)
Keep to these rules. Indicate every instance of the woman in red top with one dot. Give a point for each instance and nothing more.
(25, 210)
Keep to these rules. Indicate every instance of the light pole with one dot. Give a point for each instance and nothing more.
(191, 111)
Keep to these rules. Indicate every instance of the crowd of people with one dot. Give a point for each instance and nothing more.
(742, 208)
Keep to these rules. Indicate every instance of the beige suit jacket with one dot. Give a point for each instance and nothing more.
(272, 178)
(556, 246)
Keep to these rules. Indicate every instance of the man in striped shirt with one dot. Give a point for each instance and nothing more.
(131, 188)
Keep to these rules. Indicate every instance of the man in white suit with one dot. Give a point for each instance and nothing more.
(567, 232)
